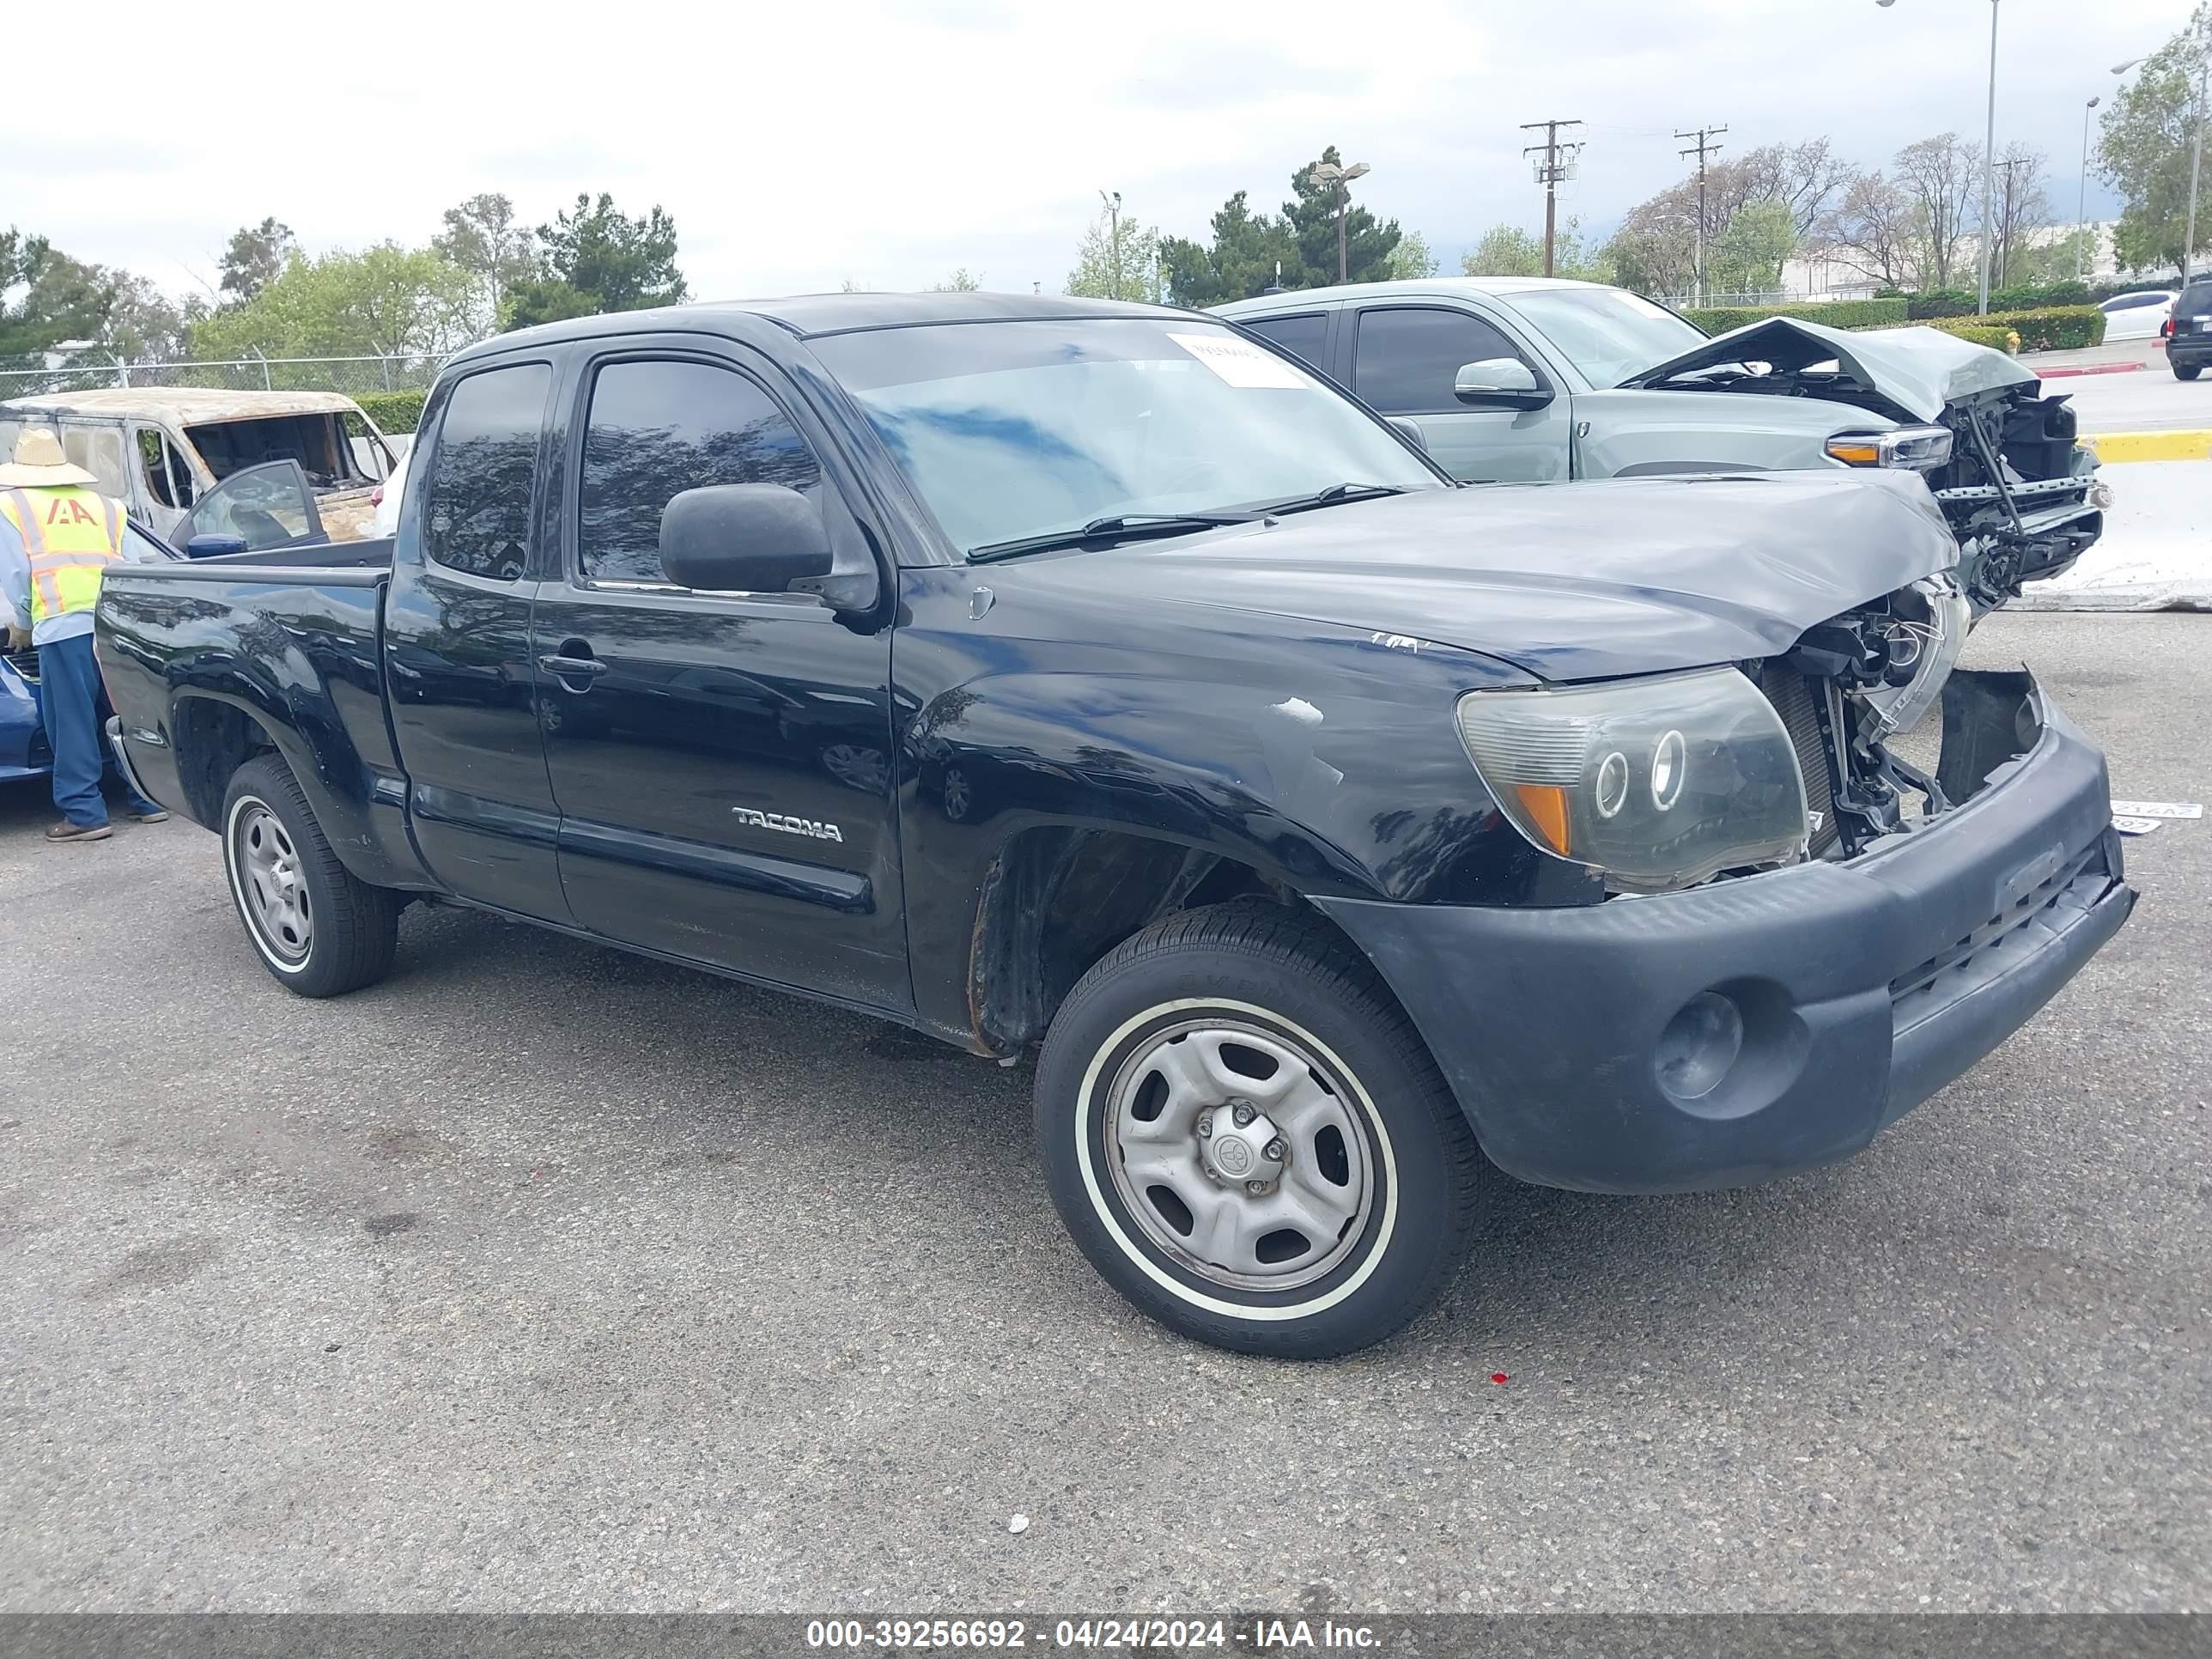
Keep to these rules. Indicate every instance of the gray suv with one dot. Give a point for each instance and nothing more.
(1529, 379)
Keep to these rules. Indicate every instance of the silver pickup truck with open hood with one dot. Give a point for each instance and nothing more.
(1518, 379)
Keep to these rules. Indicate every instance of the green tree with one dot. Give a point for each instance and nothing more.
(1126, 266)
(1505, 251)
(257, 254)
(385, 300)
(145, 326)
(481, 238)
(1310, 215)
(2144, 150)
(1412, 258)
(1247, 251)
(600, 260)
(46, 297)
(1748, 256)
(1509, 250)
(1941, 178)
(961, 280)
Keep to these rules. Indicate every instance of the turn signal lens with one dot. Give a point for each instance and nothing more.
(1855, 452)
(1546, 805)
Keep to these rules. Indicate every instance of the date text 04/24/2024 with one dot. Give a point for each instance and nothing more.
(1173, 1635)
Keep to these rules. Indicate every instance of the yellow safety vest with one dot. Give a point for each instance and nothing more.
(71, 534)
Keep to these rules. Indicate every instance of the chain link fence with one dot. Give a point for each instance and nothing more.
(87, 371)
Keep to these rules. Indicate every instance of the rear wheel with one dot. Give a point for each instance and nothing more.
(1246, 1136)
(2187, 371)
(320, 930)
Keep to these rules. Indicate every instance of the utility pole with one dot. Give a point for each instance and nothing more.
(2196, 161)
(1989, 160)
(1703, 148)
(1113, 200)
(2081, 198)
(1549, 171)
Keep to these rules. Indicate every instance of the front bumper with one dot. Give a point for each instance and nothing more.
(1575, 1037)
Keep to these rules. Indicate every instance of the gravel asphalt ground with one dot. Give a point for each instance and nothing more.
(543, 1276)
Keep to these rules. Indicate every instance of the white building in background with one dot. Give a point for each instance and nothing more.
(1821, 275)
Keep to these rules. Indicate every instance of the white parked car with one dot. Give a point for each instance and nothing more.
(2137, 316)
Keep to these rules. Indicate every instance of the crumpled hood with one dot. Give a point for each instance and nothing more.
(1567, 581)
(1918, 369)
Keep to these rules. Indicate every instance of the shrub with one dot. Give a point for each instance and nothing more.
(1931, 303)
(1981, 333)
(392, 411)
(1836, 313)
(2051, 328)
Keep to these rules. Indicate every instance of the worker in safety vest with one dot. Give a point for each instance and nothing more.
(57, 536)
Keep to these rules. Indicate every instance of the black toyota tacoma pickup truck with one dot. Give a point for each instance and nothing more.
(1090, 681)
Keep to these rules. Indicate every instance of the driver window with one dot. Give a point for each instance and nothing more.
(1408, 357)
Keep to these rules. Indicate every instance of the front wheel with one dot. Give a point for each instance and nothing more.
(320, 929)
(1246, 1136)
(2187, 371)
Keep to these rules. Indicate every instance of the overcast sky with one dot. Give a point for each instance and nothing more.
(887, 142)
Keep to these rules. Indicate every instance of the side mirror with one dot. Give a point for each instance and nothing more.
(1410, 429)
(1499, 383)
(213, 545)
(743, 538)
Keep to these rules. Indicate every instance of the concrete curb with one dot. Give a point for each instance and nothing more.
(2063, 372)
(2185, 446)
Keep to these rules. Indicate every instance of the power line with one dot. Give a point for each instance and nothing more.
(1703, 148)
(1550, 171)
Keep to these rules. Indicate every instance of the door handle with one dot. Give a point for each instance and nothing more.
(573, 661)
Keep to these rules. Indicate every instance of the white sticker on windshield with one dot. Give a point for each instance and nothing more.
(1240, 363)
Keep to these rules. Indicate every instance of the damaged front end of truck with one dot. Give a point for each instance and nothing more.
(2019, 491)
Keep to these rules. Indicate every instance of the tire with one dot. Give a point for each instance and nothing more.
(2187, 371)
(344, 931)
(1257, 997)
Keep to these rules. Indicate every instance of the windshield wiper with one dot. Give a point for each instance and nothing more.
(1114, 526)
(1335, 493)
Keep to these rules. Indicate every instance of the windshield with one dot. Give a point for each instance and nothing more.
(1608, 333)
(1013, 431)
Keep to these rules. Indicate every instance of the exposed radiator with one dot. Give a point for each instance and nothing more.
(1798, 701)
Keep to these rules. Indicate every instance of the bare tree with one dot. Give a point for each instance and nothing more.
(1871, 230)
(1939, 175)
(2022, 206)
(1807, 179)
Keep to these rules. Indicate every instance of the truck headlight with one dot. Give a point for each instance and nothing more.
(1657, 782)
(1920, 448)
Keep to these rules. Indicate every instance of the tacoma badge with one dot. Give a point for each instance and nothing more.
(789, 826)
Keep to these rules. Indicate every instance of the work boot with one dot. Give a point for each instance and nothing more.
(67, 831)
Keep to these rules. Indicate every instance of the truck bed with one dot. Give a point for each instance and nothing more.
(218, 658)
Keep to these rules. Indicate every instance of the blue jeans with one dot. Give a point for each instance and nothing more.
(74, 704)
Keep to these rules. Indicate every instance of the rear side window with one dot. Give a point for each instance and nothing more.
(2194, 302)
(99, 451)
(475, 506)
(658, 428)
(1305, 335)
(1408, 357)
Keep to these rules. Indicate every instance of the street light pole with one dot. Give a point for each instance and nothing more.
(1989, 163)
(1989, 155)
(1113, 201)
(2196, 162)
(2082, 203)
(1338, 178)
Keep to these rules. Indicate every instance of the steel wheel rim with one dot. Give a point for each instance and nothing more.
(270, 888)
(1210, 1221)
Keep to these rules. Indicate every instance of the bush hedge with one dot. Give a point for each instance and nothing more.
(1836, 313)
(1932, 304)
(1973, 329)
(392, 411)
(2051, 328)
